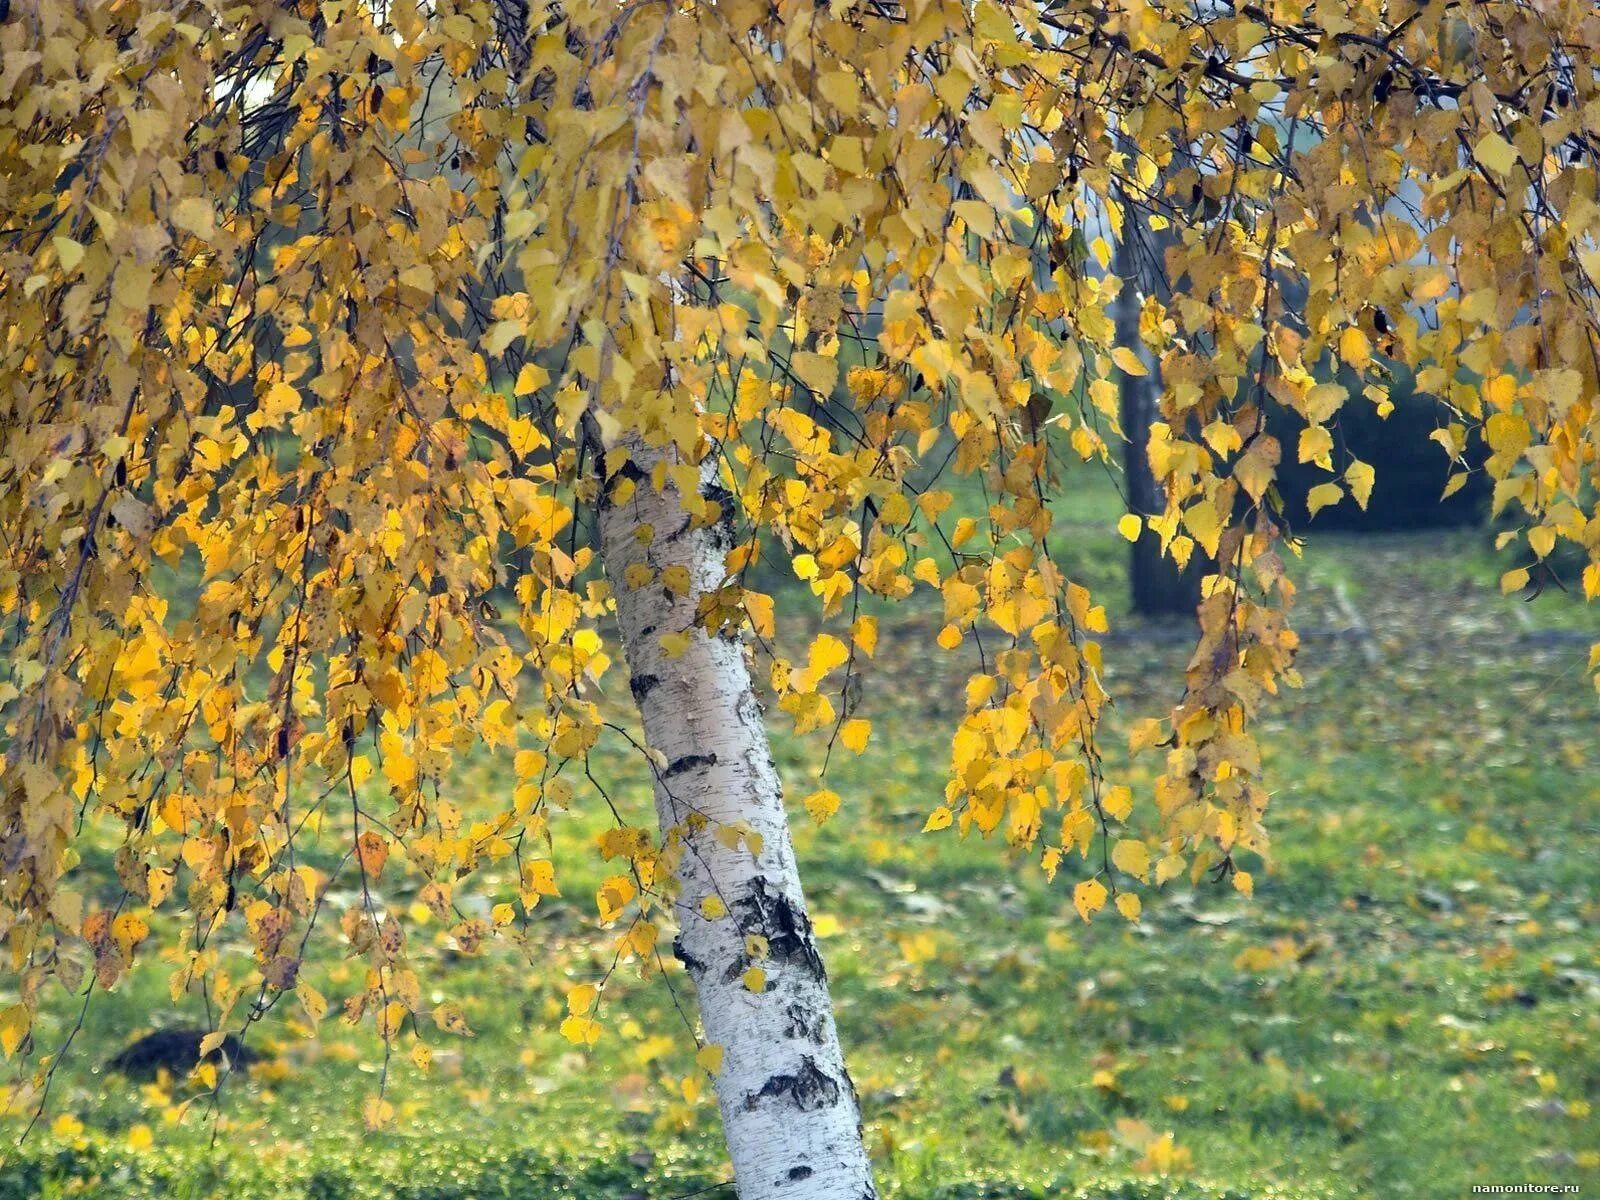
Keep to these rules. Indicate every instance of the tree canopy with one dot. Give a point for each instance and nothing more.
(326, 328)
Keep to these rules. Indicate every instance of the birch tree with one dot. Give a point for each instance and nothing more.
(365, 367)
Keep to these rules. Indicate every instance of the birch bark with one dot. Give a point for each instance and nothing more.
(789, 1109)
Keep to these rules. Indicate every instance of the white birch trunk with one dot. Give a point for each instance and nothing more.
(789, 1109)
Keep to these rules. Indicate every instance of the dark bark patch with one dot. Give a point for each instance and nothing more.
(641, 686)
(628, 470)
(809, 1088)
(712, 489)
(785, 926)
(802, 1024)
(720, 530)
(688, 763)
(690, 963)
(796, 1174)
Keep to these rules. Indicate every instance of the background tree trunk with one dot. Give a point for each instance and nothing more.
(789, 1109)
(1159, 587)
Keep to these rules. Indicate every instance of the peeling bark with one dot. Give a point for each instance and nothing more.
(789, 1109)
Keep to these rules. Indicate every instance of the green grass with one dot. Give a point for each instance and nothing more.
(1409, 1006)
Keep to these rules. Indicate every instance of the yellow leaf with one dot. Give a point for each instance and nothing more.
(1354, 348)
(761, 611)
(979, 217)
(827, 652)
(710, 1058)
(68, 253)
(1514, 580)
(854, 734)
(195, 215)
(451, 1019)
(815, 371)
(372, 851)
(1128, 362)
(712, 908)
(530, 379)
(1316, 444)
(613, 896)
(1243, 882)
(1131, 856)
(1494, 152)
(1323, 495)
(159, 881)
(822, 805)
(14, 1024)
(864, 633)
(376, 1113)
(1323, 400)
(129, 930)
(1145, 733)
(315, 1005)
(580, 1031)
(1360, 476)
(581, 998)
(1118, 802)
(1129, 906)
(939, 818)
(539, 876)
(1130, 527)
(1089, 897)
(755, 979)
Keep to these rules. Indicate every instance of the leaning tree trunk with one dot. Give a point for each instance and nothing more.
(1159, 587)
(789, 1109)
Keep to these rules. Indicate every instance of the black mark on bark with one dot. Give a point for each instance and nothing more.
(802, 1024)
(810, 1088)
(688, 763)
(720, 530)
(796, 1174)
(786, 927)
(690, 963)
(641, 685)
(626, 471)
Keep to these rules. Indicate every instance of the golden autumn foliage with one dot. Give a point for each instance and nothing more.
(322, 323)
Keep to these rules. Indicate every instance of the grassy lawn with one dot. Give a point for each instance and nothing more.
(1409, 1006)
